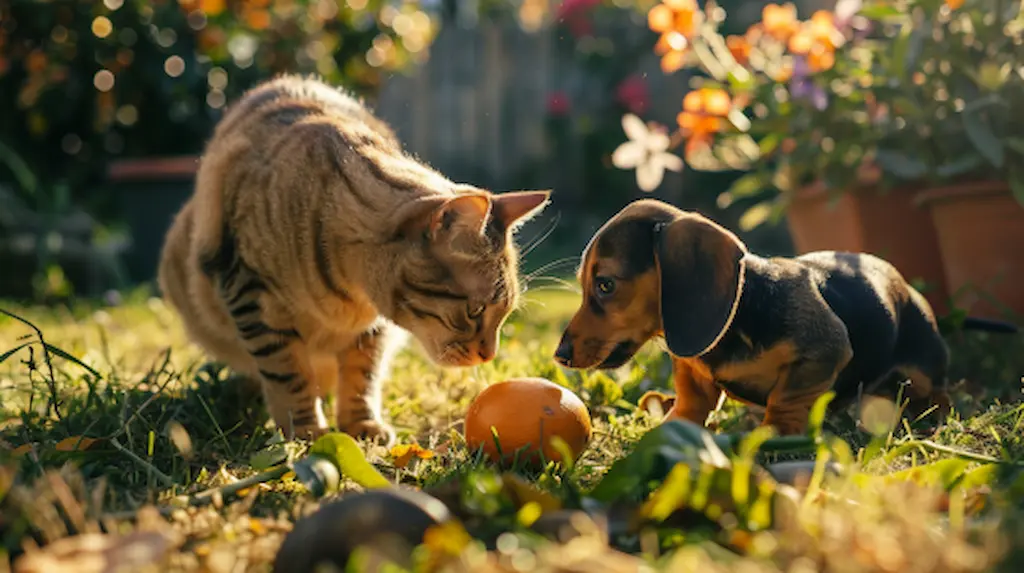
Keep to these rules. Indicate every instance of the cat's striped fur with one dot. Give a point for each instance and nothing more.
(311, 235)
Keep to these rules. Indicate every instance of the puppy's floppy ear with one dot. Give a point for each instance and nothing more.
(513, 209)
(702, 270)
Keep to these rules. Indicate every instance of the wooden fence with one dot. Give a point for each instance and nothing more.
(477, 109)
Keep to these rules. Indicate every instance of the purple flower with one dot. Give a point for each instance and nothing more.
(802, 86)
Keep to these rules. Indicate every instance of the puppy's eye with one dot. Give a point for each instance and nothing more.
(604, 285)
(476, 311)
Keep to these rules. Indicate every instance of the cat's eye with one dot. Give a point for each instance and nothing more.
(476, 311)
(605, 286)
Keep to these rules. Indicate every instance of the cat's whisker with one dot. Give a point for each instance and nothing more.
(542, 236)
(550, 266)
(566, 285)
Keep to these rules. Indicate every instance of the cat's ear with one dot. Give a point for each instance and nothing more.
(462, 213)
(512, 209)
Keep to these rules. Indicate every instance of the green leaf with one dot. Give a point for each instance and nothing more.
(11, 352)
(985, 474)
(342, 450)
(1016, 187)
(660, 449)
(817, 416)
(945, 473)
(267, 458)
(70, 358)
(900, 46)
(964, 164)
(900, 164)
(563, 449)
(671, 494)
(879, 11)
(983, 138)
(982, 103)
(755, 216)
(769, 142)
(1015, 143)
(318, 474)
(747, 185)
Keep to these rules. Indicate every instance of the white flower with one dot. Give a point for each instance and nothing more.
(646, 151)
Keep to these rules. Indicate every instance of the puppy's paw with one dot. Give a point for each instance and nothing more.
(374, 430)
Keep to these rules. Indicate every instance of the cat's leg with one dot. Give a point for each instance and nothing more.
(363, 365)
(277, 355)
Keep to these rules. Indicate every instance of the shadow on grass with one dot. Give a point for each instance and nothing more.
(165, 433)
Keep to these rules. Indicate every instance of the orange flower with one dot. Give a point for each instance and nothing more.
(672, 47)
(660, 19)
(36, 61)
(817, 40)
(801, 42)
(783, 73)
(258, 19)
(822, 27)
(739, 48)
(680, 5)
(954, 4)
(212, 7)
(683, 16)
(702, 115)
(754, 33)
(820, 60)
(780, 20)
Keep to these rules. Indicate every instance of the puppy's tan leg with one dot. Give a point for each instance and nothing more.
(696, 393)
(923, 393)
(789, 403)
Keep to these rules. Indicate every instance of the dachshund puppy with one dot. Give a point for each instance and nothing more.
(773, 332)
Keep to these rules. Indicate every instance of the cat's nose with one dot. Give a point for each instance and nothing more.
(487, 351)
(563, 354)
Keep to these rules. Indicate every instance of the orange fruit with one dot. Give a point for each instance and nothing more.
(526, 413)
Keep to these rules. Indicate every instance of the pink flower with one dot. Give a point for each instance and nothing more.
(573, 8)
(574, 14)
(558, 104)
(633, 94)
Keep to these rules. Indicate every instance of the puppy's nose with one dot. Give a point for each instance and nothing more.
(563, 354)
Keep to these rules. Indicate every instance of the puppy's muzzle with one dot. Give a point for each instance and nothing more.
(563, 354)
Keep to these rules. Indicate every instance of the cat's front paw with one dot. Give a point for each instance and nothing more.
(373, 430)
(309, 433)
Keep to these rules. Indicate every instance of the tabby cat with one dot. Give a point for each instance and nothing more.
(311, 235)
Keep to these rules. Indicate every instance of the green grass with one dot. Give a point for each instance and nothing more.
(168, 425)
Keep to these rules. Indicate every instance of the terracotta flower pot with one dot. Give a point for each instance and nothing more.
(149, 192)
(980, 228)
(888, 225)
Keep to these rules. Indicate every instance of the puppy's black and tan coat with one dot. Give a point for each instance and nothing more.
(774, 332)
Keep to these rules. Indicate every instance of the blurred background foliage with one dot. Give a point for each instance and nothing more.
(82, 82)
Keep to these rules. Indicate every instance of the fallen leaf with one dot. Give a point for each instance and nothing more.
(180, 438)
(75, 443)
(403, 454)
(22, 449)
